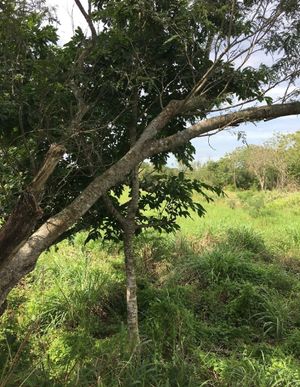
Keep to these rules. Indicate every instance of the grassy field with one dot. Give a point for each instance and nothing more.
(219, 305)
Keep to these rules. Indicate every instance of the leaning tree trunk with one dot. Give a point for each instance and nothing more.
(25, 255)
(23, 219)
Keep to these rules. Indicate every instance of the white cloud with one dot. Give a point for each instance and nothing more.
(69, 18)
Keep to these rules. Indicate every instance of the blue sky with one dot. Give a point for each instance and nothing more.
(219, 144)
(226, 141)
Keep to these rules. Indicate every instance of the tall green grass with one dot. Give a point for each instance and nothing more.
(219, 305)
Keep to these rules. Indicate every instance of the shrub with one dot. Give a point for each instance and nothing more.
(246, 239)
(292, 343)
(171, 326)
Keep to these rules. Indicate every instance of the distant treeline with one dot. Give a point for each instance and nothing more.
(274, 165)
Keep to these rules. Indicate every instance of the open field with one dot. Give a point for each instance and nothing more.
(219, 305)
(274, 215)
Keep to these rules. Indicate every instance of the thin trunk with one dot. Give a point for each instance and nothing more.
(262, 183)
(131, 288)
(234, 179)
(129, 235)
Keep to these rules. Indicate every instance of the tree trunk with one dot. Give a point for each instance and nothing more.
(23, 259)
(22, 221)
(234, 179)
(14, 262)
(262, 182)
(131, 288)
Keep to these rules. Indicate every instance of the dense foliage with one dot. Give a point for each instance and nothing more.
(91, 92)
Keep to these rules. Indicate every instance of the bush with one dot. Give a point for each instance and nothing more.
(246, 239)
(254, 203)
(171, 326)
(292, 343)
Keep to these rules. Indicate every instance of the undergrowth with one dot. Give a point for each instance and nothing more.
(220, 309)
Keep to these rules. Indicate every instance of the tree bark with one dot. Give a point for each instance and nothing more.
(24, 258)
(27, 211)
(131, 288)
(262, 183)
(129, 226)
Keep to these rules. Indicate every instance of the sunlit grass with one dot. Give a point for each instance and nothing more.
(277, 219)
(219, 305)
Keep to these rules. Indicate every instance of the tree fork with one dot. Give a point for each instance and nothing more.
(27, 212)
(23, 260)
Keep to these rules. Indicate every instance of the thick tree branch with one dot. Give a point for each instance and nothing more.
(24, 260)
(222, 122)
(52, 158)
(87, 18)
(173, 108)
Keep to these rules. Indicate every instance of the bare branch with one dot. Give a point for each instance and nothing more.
(222, 122)
(87, 18)
(113, 210)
